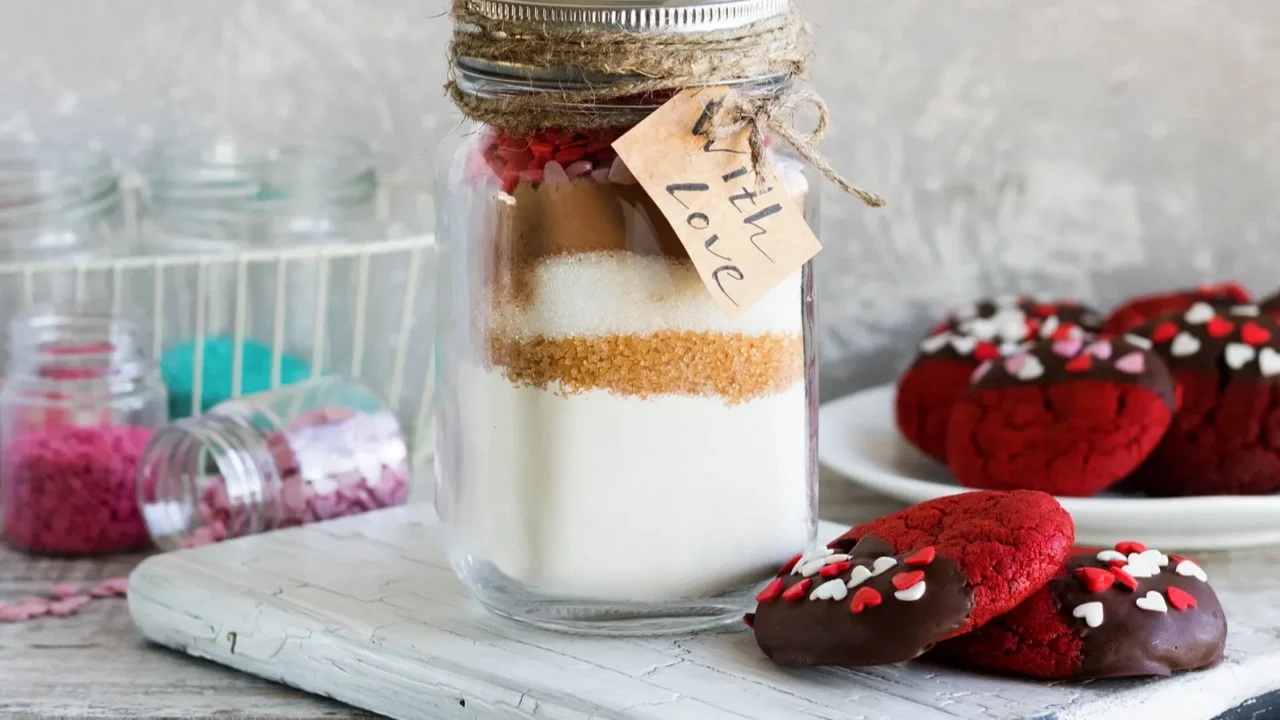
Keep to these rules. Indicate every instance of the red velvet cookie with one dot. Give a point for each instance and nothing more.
(1007, 544)
(1068, 417)
(1141, 310)
(957, 346)
(1120, 613)
(1225, 436)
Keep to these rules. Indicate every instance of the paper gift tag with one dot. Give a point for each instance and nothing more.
(745, 233)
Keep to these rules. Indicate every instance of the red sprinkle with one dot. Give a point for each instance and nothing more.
(791, 564)
(921, 557)
(1164, 332)
(904, 580)
(1129, 547)
(1181, 599)
(1064, 331)
(1254, 334)
(1080, 363)
(834, 569)
(797, 591)
(986, 351)
(1175, 559)
(1044, 310)
(770, 592)
(1220, 327)
(1124, 578)
(865, 598)
(1095, 579)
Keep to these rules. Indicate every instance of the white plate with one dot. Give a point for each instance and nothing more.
(859, 440)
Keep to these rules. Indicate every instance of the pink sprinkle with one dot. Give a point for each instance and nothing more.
(61, 591)
(1133, 363)
(578, 169)
(1067, 348)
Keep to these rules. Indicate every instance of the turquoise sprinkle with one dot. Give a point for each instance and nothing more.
(177, 368)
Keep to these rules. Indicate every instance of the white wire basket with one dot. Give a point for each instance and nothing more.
(364, 310)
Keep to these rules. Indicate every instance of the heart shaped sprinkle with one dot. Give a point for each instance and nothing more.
(791, 564)
(1199, 314)
(1067, 331)
(797, 591)
(1240, 355)
(1220, 327)
(1067, 348)
(1254, 334)
(1080, 363)
(911, 594)
(904, 580)
(1135, 363)
(980, 371)
(1032, 369)
(1246, 311)
(1109, 555)
(835, 569)
(1185, 345)
(830, 590)
(1049, 326)
(1043, 310)
(1181, 599)
(1139, 567)
(935, 343)
(883, 564)
(986, 351)
(1176, 558)
(1100, 350)
(1095, 579)
(1124, 578)
(982, 328)
(1164, 332)
(1129, 547)
(797, 567)
(770, 591)
(1154, 557)
(1186, 568)
(858, 575)
(1152, 601)
(1014, 365)
(1139, 341)
(921, 557)
(1269, 362)
(1013, 331)
(865, 598)
(1090, 612)
(963, 344)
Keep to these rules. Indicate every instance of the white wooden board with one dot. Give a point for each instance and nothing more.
(367, 610)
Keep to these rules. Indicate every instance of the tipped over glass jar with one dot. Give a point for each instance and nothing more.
(614, 454)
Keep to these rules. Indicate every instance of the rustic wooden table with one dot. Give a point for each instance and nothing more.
(95, 664)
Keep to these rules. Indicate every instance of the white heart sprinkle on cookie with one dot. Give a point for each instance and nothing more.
(1186, 568)
(1185, 345)
(858, 575)
(1090, 612)
(883, 564)
(1269, 362)
(830, 590)
(1152, 601)
(1107, 556)
(964, 345)
(1139, 341)
(911, 594)
(1032, 369)
(1200, 313)
(1050, 326)
(1245, 311)
(1238, 355)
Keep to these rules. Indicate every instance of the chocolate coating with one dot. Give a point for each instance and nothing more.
(806, 632)
(1154, 377)
(1133, 642)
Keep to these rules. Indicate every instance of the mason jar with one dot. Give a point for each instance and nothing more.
(81, 401)
(317, 450)
(614, 454)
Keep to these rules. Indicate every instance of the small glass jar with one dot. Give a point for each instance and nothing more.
(613, 454)
(313, 451)
(80, 403)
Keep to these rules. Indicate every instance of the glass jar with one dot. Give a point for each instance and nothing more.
(613, 454)
(81, 401)
(313, 451)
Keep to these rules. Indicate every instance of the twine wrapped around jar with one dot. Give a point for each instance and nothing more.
(618, 65)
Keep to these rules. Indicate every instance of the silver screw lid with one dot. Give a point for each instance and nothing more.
(640, 16)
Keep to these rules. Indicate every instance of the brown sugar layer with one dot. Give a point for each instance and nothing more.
(736, 367)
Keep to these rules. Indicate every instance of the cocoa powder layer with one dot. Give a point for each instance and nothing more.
(735, 367)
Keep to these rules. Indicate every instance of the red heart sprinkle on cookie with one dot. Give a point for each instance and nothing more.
(1181, 599)
(1175, 559)
(1044, 310)
(902, 581)
(1064, 331)
(797, 591)
(865, 598)
(986, 351)
(1164, 332)
(1080, 363)
(834, 569)
(1095, 579)
(921, 557)
(770, 591)
(1220, 327)
(1254, 334)
(790, 565)
(1124, 578)
(1032, 328)
(1128, 547)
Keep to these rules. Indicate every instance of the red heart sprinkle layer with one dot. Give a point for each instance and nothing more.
(1175, 559)
(921, 557)
(1254, 334)
(791, 564)
(770, 591)
(1080, 363)
(865, 598)
(1164, 332)
(797, 591)
(750, 620)
(1128, 547)
(1044, 310)
(834, 569)
(1220, 327)
(1124, 578)
(1181, 599)
(1064, 331)
(1117, 563)
(902, 581)
(1095, 579)
(986, 351)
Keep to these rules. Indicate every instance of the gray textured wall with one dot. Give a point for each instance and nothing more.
(1067, 146)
